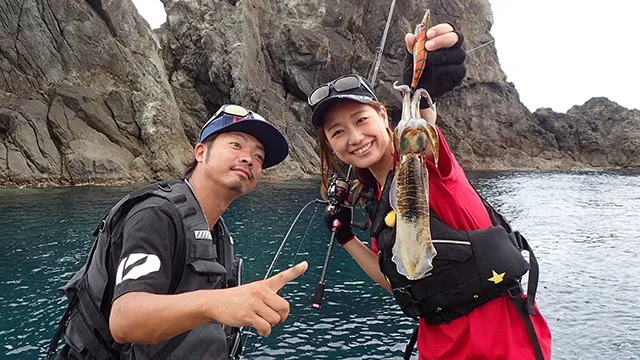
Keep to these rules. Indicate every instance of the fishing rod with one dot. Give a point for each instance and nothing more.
(376, 62)
(337, 196)
(339, 190)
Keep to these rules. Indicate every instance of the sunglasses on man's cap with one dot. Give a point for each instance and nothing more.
(236, 118)
(233, 110)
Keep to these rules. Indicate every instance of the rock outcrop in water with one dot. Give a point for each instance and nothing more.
(89, 93)
(599, 133)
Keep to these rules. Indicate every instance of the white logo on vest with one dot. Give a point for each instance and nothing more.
(137, 265)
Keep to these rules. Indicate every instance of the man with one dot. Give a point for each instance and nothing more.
(164, 287)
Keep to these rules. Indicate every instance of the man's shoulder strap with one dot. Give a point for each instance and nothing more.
(122, 208)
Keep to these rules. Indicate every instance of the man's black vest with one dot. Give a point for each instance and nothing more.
(470, 268)
(209, 263)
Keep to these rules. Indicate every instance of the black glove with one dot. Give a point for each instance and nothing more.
(444, 70)
(344, 233)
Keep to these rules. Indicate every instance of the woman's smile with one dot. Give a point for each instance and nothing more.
(363, 150)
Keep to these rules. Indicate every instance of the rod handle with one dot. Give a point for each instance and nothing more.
(317, 298)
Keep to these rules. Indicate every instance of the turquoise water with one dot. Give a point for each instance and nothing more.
(584, 227)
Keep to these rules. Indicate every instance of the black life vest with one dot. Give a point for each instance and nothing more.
(209, 263)
(470, 268)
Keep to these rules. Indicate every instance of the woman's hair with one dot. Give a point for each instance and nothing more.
(330, 164)
(192, 165)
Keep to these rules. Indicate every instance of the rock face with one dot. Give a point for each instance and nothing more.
(84, 96)
(89, 93)
(599, 133)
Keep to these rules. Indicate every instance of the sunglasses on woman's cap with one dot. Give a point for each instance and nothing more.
(348, 87)
(236, 118)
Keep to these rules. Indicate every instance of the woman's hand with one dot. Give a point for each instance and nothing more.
(445, 61)
(440, 36)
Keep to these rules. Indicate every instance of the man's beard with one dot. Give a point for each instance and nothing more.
(236, 186)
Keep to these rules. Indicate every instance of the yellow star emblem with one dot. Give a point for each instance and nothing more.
(497, 278)
(390, 219)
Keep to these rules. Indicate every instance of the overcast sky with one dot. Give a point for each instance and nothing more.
(558, 53)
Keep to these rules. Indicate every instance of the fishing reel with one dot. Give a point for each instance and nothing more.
(337, 194)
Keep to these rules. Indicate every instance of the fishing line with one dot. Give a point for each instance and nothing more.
(315, 211)
(257, 344)
(480, 46)
(275, 258)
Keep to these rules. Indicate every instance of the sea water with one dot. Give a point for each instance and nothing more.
(584, 228)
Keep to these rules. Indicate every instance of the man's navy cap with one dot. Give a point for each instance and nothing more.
(360, 94)
(276, 147)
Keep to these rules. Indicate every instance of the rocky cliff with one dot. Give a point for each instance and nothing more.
(599, 133)
(84, 95)
(89, 94)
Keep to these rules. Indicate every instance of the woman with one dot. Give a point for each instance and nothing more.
(464, 314)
